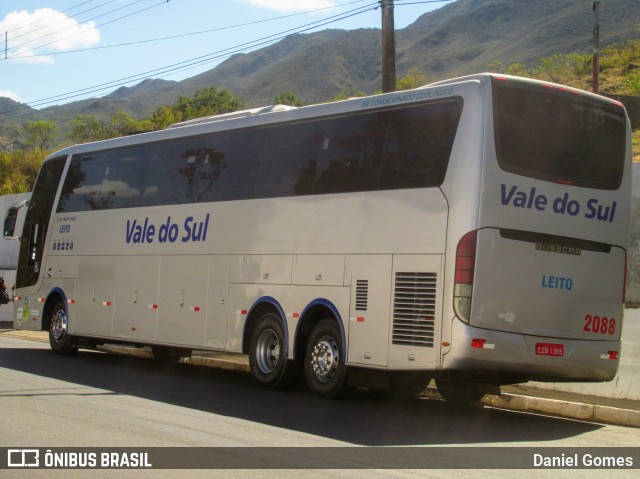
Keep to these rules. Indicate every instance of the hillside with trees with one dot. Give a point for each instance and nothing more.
(19, 167)
(540, 39)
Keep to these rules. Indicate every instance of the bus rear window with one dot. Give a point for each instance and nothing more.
(558, 135)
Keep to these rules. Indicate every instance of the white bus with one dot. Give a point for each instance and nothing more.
(472, 231)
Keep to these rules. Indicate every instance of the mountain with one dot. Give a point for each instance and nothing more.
(316, 67)
(15, 110)
(140, 101)
(465, 36)
(469, 35)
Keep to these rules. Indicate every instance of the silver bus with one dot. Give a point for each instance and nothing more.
(471, 232)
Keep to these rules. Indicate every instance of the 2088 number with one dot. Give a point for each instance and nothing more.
(598, 325)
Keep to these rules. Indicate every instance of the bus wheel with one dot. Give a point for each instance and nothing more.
(60, 340)
(324, 366)
(460, 393)
(268, 357)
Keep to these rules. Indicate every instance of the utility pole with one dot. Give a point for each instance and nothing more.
(596, 46)
(388, 47)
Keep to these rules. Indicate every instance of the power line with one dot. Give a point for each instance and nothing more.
(197, 61)
(54, 15)
(251, 45)
(400, 2)
(51, 24)
(172, 37)
(78, 33)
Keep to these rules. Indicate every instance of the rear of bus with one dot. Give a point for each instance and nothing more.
(539, 283)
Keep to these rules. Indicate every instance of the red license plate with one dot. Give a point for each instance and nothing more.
(547, 349)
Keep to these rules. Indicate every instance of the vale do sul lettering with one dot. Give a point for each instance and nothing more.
(530, 199)
(192, 230)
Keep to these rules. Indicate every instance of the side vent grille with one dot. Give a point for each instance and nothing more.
(362, 294)
(414, 309)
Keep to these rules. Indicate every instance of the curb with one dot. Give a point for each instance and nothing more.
(570, 410)
(512, 402)
(554, 407)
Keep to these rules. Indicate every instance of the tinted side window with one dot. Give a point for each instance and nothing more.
(110, 179)
(403, 147)
(418, 145)
(36, 222)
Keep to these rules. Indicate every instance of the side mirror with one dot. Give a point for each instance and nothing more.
(11, 219)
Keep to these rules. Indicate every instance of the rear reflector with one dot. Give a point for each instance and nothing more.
(481, 344)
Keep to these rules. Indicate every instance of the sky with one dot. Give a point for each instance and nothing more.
(57, 51)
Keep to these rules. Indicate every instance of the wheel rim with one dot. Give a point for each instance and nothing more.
(268, 351)
(325, 359)
(59, 326)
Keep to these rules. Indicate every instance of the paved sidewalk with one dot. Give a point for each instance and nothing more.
(620, 412)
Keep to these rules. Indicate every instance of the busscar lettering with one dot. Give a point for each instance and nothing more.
(556, 248)
(193, 230)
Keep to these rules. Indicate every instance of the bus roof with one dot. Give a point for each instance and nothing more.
(255, 116)
(233, 114)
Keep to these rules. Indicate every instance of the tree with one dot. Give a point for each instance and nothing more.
(39, 134)
(206, 102)
(122, 124)
(11, 136)
(18, 170)
(163, 117)
(288, 98)
(347, 94)
(87, 128)
(413, 79)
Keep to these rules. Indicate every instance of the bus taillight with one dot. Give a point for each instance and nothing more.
(465, 267)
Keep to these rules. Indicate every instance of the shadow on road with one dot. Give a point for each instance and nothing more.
(362, 420)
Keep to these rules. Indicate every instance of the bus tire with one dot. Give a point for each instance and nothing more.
(460, 393)
(60, 340)
(268, 356)
(324, 366)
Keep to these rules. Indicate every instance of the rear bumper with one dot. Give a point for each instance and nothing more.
(498, 354)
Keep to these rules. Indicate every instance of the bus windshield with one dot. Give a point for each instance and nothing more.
(581, 143)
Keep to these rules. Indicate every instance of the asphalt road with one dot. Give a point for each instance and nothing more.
(101, 400)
